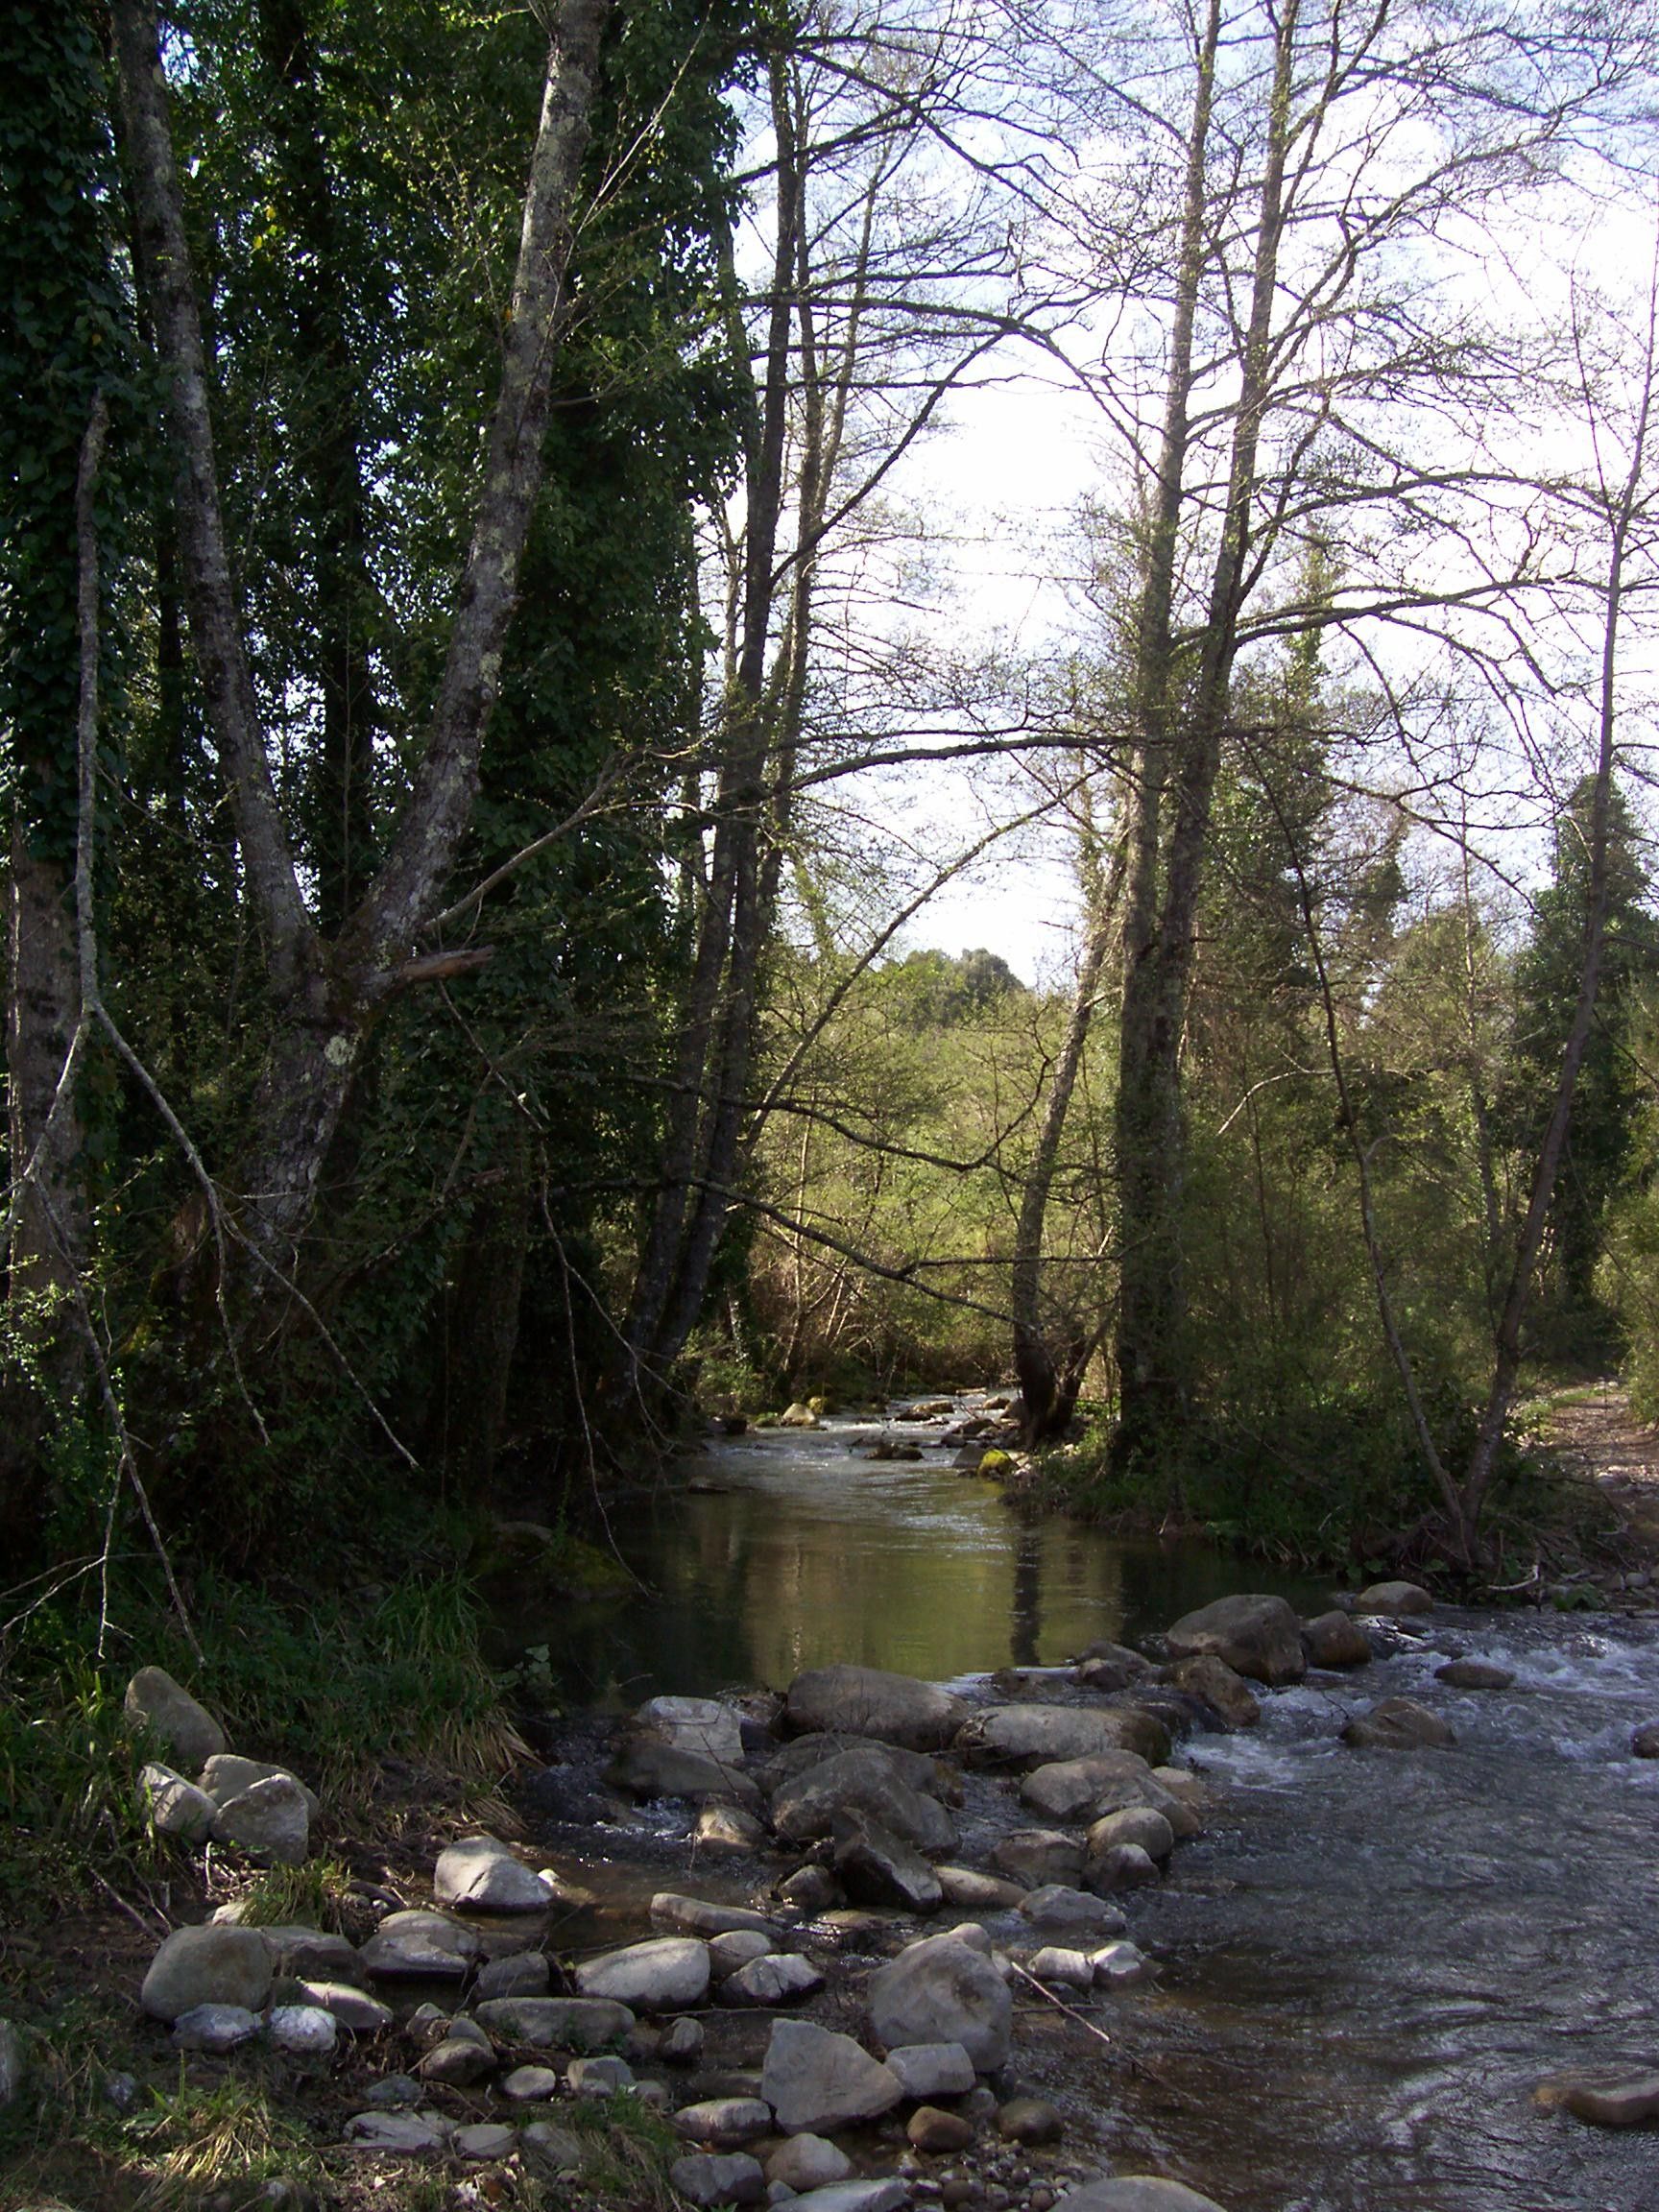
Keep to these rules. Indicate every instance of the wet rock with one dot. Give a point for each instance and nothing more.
(737, 1948)
(728, 1828)
(1059, 1909)
(482, 2140)
(1135, 2193)
(735, 2178)
(1605, 2098)
(932, 1777)
(682, 2043)
(393, 2092)
(521, 1974)
(1038, 1735)
(1061, 1968)
(271, 1822)
(1030, 2121)
(1135, 1824)
(807, 2162)
(1257, 1636)
(1645, 1743)
(698, 1916)
(480, 1874)
(664, 1975)
(1039, 1855)
(215, 2028)
(972, 1891)
(458, 2061)
(930, 2129)
(929, 2070)
(869, 1701)
(1475, 1674)
(306, 2031)
(531, 2085)
(815, 2078)
(1120, 1866)
(1119, 1966)
(875, 1868)
(420, 1945)
(190, 1731)
(228, 1775)
(781, 1978)
(308, 1951)
(707, 1726)
(863, 1782)
(207, 1966)
(408, 2134)
(646, 1768)
(1217, 1687)
(1398, 1724)
(1082, 1788)
(1336, 1640)
(798, 1416)
(811, 1890)
(1394, 1600)
(549, 2151)
(941, 1990)
(177, 1807)
(556, 2023)
(726, 2123)
(598, 2076)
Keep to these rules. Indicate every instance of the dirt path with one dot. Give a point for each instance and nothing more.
(1600, 1438)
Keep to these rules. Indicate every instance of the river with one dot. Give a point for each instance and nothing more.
(1369, 1960)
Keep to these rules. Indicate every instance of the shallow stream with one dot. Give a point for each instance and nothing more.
(1370, 1958)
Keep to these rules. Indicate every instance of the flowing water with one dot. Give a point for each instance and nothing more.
(1370, 1958)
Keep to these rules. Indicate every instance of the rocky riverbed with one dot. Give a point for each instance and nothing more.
(856, 1944)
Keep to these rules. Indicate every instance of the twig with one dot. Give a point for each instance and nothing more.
(131, 1910)
(1059, 2002)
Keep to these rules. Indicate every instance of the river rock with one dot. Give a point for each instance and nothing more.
(1335, 1639)
(1135, 2193)
(868, 1701)
(781, 1978)
(1605, 2097)
(190, 1731)
(307, 2031)
(1398, 1724)
(215, 2028)
(647, 1768)
(1029, 2120)
(1645, 1741)
(707, 1726)
(1058, 1968)
(811, 1889)
(311, 1952)
(798, 1416)
(177, 1807)
(937, 2131)
(1084, 1789)
(480, 1874)
(701, 1916)
(941, 1990)
(1028, 1736)
(1217, 1687)
(393, 2092)
(548, 2150)
(737, 1948)
(228, 1775)
(556, 2023)
(458, 2060)
(408, 2134)
(1119, 1965)
(1135, 1824)
(1059, 1909)
(484, 2139)
(665, 1975)
(1041, 1857)
(815, 2078)
(919, 1771)
(1120, 1866)
(728, 1828)
(1475, 1674)
(972, 1891)
(807, 2162)
(531, 2085)
(271, 1822)
(861, 1781)
(419, 1945)
(520, 1974)
(353, 2008)
(600, 2076)
(1257, 1636)
(929, 2070)
(207, 1966)
(888, 2193)
(733, 2178)
(1394, 1600)
(725, 2123)
(682, 2043)
(874, 1868)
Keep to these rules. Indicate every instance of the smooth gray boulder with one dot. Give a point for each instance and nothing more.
(707, 1726)
(177, 1807)
(1135, 2193)
(699, 1917)
(1059, 1909)
(270, 1822)
(520, 1974)
(669, 1974)
(212, 1966)
(480, 1874)
(1398, 1724)
(1120, 1866)
(1041, 1857)
(737, 1948)
(814, 2078)
(1256, 1635)
(305, 2030)
(1135, 1824)
(215, 2028)
(1057, 1967)
(781, 1978)
(877, 1868)
(706, 2177)
(942, 1990)
(406, 2132)
(728, 1828)
(1394, 1600)
(458, 2061)
(190, 1731)
(1040, 1735)
(862, 1782)
(1475, 1674)
(929, 2070)
(556, 2023)
(1336, 1639)
(484, 2139)
(1119, 1965)
(415, 1944)
(647, 1768)
(869, 1701)
(315, 1951)
(972, 1891)
(1219, 1688)
(353, 2008)
(228, 1775)
(724, 2123)
(807, 2162)
(887, 2193)
(1084, 1789)
(531, 2085)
